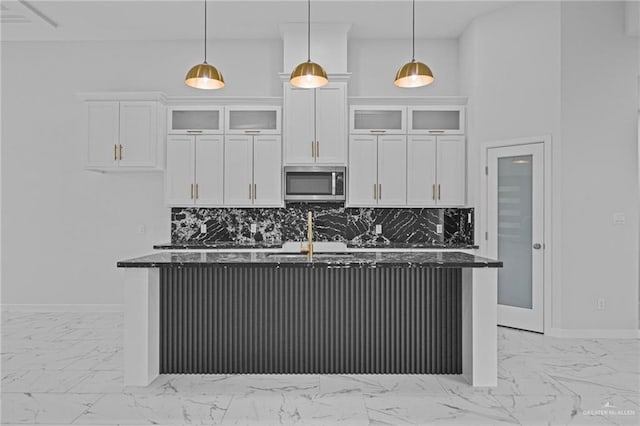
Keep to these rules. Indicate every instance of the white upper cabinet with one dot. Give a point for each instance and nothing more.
(194, 170)
(124, 135)
(436, 168)
(377, 176)
(315, 130)
(252, 120)
(196, 120)
(437, 120)
(252, 171)
(377, 119)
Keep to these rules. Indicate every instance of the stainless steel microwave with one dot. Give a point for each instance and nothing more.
(314, 183)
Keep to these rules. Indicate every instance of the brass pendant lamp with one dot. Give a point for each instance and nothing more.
(414, 73)
(204, 76)
(308, 74)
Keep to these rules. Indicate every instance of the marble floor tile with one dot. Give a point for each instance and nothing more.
(286, 409)
(33, 408)
(98, 382)
(41, 380)
(132, 408)
(380, 384)
(476, 409)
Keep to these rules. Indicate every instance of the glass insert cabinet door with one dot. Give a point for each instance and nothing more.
(515, 232)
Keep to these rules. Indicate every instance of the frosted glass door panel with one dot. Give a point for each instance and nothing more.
(377, 120)
(515, 231)
(206, 121)
(446, 120)
(253, 120)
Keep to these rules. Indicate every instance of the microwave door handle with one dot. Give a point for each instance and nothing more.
(333, 183)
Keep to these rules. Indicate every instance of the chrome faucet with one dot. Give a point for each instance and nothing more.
(309, 247)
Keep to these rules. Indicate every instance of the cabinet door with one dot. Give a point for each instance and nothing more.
(421, 171)
(448, 120)
(267, 171)
(299, 122)
(392, 170)
(363, 170)
(196, 120)
(138, 134)
(264, 120)
(102, 136)
(377, 119)
(179, 175)
(238, 170)
(209, 170)
(450, 169)
(331, 124)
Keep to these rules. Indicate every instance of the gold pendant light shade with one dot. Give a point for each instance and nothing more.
(308, 75)
(204, 76)
(414, 74)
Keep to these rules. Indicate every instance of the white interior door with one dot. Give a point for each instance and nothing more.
(515, 226)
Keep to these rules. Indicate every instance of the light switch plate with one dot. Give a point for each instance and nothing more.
(254, 228)
(439, 228)
(378, 229)
(203, 228)
(619, 218)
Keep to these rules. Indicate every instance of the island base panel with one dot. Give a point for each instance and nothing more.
(226, 320)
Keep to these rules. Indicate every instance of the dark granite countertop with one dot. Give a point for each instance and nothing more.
(204, 245)
(278, 259)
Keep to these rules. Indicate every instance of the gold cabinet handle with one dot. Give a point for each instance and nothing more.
(250, 191)
(377, 131)
(115, 152)
(380, 191)
(252, 131)
(121, 152)
(438, 191)
(255, 191)
(194, 131)
(192, 191)
(436, 131)
(197, 192)
(433, 191)
(317, 149)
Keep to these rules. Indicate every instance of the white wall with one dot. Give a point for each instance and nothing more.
(567, 70)
(64, 228)
(600, 167)
(373, 65)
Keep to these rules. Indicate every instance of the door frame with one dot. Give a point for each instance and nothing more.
(482, 224)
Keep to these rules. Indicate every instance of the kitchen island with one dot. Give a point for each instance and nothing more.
(341, 313)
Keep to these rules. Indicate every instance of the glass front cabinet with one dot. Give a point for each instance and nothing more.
(436, 120)
(253, 120)
(377, 120)
(196, 120)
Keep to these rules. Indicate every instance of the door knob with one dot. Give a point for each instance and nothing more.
(537, 246)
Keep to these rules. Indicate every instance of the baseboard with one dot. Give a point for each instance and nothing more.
(630, 333)
(62, 308)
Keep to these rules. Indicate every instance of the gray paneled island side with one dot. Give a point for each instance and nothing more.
(341, 313)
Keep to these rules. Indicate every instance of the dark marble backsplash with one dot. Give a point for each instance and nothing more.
(332, 222)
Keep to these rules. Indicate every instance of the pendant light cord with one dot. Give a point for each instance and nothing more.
(205, 31)
(308, 30)
(413, 34)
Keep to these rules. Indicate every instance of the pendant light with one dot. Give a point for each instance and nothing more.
(308, 74)
(204, 76)
(414, 74)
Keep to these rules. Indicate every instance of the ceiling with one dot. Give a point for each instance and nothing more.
(24, 20)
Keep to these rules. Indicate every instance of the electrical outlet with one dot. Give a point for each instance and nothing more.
(439, 228)
(600, 304)
(203, 228)
(378, 229)
(619, 218)
(254, 228)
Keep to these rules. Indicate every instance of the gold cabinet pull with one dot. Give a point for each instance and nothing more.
(115, 152)
(379, 191)
(192, 191)
(250, 191)
(121, 152)
(436, 131)
(433, 191)
(377, 131)
(438, 191)
(317, 149)
(255, 191)
(252, 132)
(194, 131)
(197, 192)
